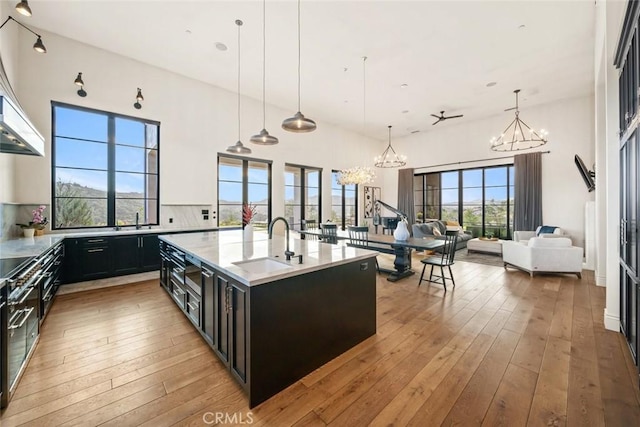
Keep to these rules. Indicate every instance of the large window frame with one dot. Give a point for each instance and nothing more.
(343, 200)
(303, 186)
(425, 193)
(245, 183)
(151, 145)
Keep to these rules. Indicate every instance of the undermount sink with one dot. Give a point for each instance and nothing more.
(262, 265)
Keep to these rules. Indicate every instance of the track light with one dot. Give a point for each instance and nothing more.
(38, 46)
(23, 8)
(139, 98)
(78, 81)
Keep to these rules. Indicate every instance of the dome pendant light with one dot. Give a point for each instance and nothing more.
(238, 147)
(299, 123)
(263, 138)
(23, 8)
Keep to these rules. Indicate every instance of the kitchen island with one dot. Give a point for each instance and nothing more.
(271, 321)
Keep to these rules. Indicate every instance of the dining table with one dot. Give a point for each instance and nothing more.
(386, 244)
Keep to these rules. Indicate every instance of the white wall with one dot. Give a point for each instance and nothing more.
(8, 50)
(197, 122)
(571, 132)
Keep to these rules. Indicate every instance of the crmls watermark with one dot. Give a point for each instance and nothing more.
(210, 418)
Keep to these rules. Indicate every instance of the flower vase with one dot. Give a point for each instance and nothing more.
(39, 232)
(28, 232)
(401, 232)
(247, 233)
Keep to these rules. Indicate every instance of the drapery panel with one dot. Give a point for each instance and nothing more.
(528, 191)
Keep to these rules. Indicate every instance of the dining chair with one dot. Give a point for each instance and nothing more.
(309, 224)
(359, 238)
(329, 233)
(442, 260)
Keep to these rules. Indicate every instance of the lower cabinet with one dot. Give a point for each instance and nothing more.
(92, 258)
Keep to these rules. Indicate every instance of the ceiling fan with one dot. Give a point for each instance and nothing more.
(442, 117)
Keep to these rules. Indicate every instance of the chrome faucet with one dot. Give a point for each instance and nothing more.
(138, 221)
(287, 252)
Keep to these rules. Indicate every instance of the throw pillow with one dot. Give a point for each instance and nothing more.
(547, 229)
(454, 223)
(436, 232)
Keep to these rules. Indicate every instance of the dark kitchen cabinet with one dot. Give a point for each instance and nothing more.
(126, 258)
(231, 320)
(51, 277)
(87, 258)
(92, 258)
(208, 303)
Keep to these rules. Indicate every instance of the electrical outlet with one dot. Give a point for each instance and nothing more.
(170, 220)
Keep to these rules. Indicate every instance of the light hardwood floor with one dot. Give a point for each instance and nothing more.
(500, 349)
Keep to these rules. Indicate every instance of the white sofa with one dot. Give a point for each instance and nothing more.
(524, 236)
(543, 255)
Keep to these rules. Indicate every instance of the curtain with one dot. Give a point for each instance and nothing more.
(405, 195)
(528, 191)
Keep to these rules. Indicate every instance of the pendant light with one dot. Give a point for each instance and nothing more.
(299, 123)
(389, 157)
(238, 147)
(263, 138)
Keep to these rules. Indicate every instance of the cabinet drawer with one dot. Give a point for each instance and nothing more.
(178, 294)
(193, 308)
(89, 241)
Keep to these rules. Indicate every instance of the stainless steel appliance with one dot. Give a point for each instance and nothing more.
(23, 306)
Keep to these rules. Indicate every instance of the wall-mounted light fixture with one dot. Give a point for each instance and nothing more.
(139, 98)
(23, 8)
(78, 81)
(38, 46)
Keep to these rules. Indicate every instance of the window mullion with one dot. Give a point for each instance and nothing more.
(111, 174)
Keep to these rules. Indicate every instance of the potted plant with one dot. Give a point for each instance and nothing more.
(248, 214)
(37, 223)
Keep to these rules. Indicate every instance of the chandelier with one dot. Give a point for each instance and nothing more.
(389, 157)
(356, 175)
(518, 135)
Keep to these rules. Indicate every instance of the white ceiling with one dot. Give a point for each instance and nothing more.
(446, 51)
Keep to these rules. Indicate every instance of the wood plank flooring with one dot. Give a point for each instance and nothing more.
(499, 349)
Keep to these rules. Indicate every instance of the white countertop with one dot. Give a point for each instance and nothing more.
(223, 248)
(34, 246)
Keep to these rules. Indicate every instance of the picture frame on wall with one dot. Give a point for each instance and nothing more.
(371, 194)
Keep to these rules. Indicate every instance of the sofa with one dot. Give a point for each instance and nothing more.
(427, 230)
(543, 255)
(543, 231)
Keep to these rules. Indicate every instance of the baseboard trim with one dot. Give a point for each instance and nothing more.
(107, 283)
(611, 322)
(601, 280)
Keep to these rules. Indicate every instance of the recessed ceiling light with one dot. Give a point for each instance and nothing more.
(405, 111)
(415, 131)
(221, 46)
(404, 85)
(346, 101)
(187, 31)
(522, 26)
(491, 84)
(345, 69)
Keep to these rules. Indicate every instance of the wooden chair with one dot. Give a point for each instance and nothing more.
(359, 237)
(444, 260)
(329, 233)
(309, 224)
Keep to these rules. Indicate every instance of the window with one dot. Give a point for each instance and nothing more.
(302, 194)
(240, 181)
(105, 168)
(344, 202)
(480, 199)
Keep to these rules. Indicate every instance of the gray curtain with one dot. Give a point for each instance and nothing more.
(528, 191)
(405, 195)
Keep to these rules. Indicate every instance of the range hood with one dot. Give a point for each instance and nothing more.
(17, 133)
